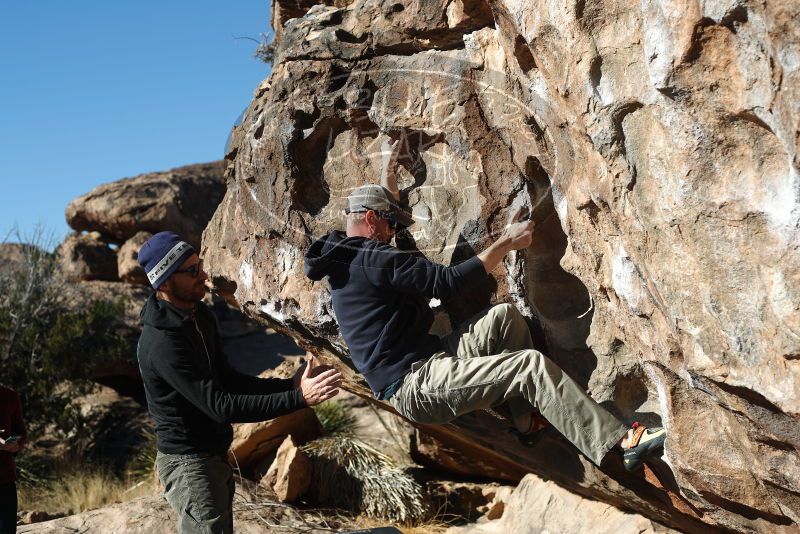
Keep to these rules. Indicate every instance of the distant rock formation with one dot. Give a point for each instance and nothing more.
(127, 259)
(656, 146)
(87, 256)
(12, 257)
(182, 200)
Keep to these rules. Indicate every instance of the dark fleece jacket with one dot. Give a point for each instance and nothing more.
(192, 393)
(380, 297)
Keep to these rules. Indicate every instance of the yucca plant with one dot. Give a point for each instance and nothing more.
(335, 418)
(354, 476)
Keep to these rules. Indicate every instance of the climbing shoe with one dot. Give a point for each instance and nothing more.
(538, 427)
(641, 443)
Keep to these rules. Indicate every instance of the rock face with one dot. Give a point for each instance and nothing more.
(656, 146)
(87, 257)
(181, 200)
(434, 454)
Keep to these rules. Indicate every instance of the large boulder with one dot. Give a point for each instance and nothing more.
(538, 506)
(656, 146)
(143, 515)
(181, 200)
(87, 257)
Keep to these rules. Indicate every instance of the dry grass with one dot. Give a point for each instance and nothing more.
(81, 488)
(432, 526)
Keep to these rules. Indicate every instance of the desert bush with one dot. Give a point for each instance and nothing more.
(354, 476)
(47, 351)
(265, 51)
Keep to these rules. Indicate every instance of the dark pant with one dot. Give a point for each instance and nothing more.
(8, 508)
(200, 488)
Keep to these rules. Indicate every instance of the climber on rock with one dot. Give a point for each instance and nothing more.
(380, 297)
(194, 396)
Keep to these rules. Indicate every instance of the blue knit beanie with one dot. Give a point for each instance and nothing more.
(161, 255)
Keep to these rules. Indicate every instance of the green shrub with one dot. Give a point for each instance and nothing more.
(47, 351)
(335, 418)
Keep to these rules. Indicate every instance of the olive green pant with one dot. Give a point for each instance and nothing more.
(199, 487)
(489, 360)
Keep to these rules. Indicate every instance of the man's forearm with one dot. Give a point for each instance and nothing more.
(495, 253)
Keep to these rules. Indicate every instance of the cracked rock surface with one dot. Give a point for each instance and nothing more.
(656, 145)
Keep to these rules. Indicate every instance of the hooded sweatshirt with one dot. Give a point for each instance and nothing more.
(380, 297)
(192, 393)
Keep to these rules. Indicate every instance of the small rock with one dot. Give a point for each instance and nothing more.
(498, 496)
(496, 510)
(35, 516)
(254, 444)
(290, 473)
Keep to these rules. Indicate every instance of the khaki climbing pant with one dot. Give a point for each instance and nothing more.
(489, 360)
(199, 487)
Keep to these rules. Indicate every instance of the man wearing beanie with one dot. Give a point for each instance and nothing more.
(194, 396)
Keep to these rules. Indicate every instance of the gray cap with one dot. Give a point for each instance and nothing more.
(377, 198)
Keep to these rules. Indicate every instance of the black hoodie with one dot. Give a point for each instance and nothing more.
(380, 297)
(192, 393)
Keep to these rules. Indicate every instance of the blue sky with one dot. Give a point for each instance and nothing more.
(92, 92)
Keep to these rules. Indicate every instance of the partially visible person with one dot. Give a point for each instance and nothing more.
(193, 394)
(12, 440)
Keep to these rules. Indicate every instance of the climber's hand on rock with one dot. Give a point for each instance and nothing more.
(519, 231)
(317, 386)
(317, 369)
